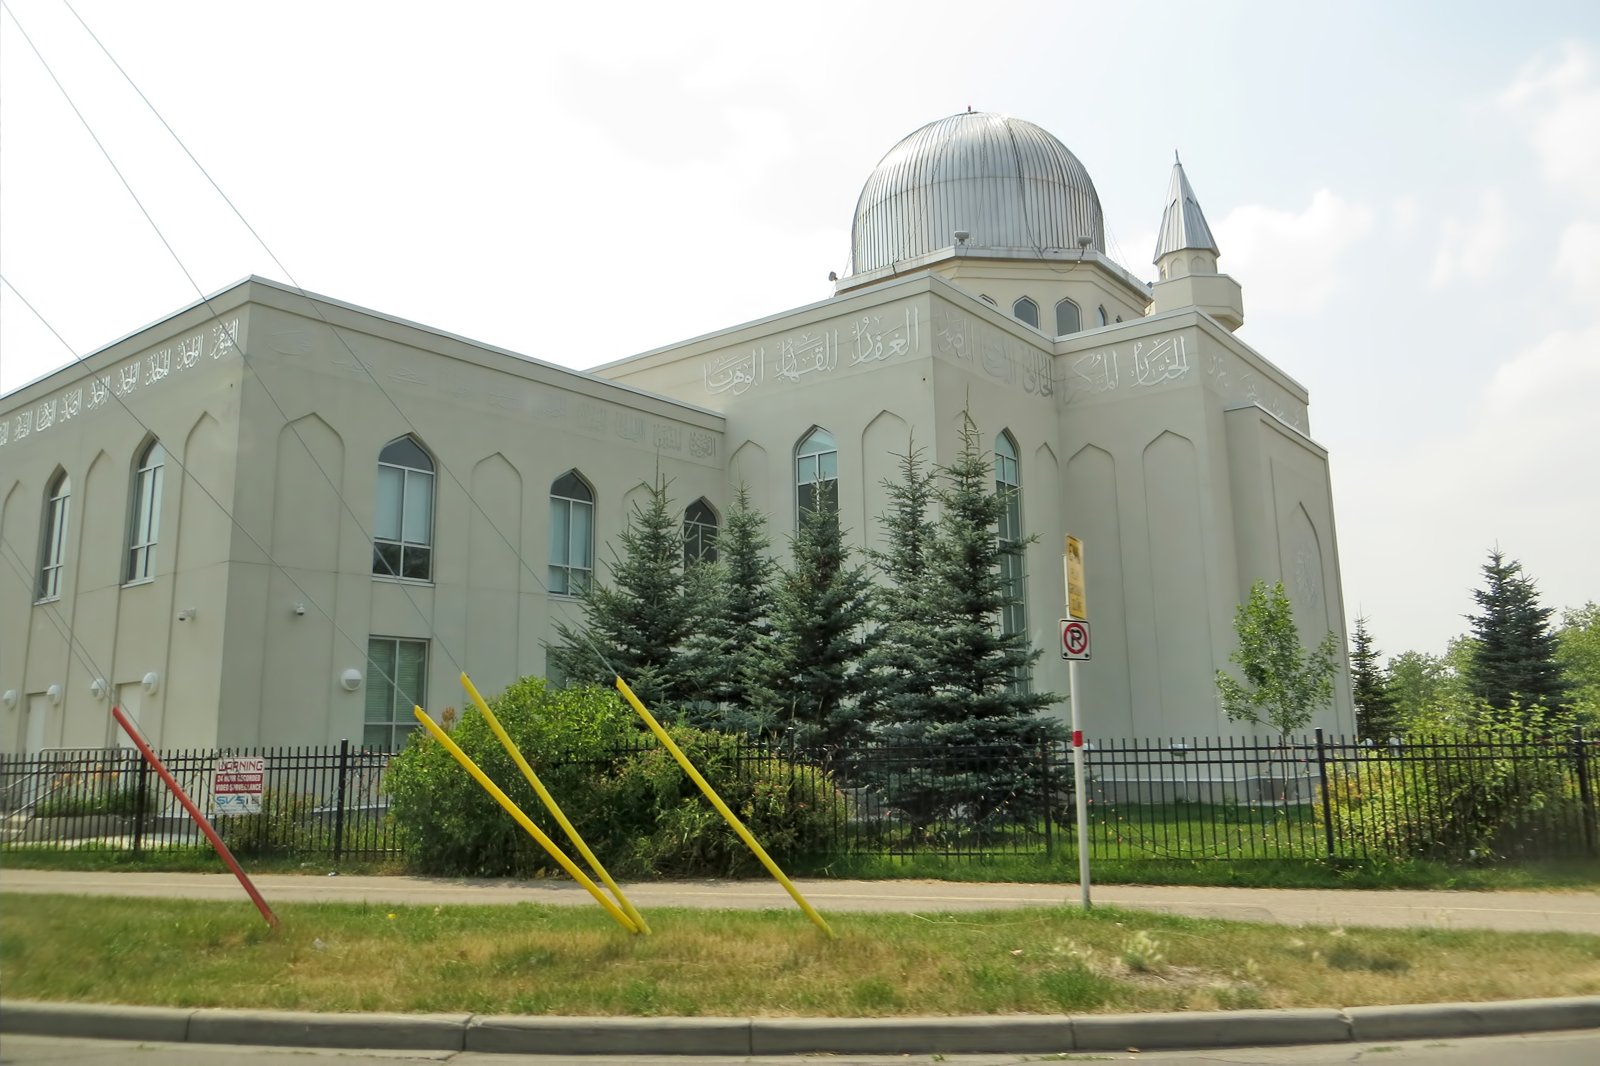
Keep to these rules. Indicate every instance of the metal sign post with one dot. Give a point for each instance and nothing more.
(1075, 649)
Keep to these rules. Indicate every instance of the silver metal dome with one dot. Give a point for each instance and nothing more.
(1005, 182)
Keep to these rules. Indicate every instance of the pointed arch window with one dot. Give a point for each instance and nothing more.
(571, 535)
(402, 529)
(1105, 319)
(144, 513)
(1027, 311)
(1068, 318)
(53, 537)
(1008, 487)
(816, 472)
(699, 533)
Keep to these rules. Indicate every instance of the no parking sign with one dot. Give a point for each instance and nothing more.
(1074, 639)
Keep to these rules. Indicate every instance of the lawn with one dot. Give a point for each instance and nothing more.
(533, 959)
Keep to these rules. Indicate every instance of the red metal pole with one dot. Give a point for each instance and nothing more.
(194, 812)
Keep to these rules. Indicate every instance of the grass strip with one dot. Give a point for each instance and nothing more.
(1062, 868)
(533, 959)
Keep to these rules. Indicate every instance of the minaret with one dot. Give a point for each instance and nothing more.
(1186, 257)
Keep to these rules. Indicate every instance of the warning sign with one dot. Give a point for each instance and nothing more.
(237, 787)
(1074, 639)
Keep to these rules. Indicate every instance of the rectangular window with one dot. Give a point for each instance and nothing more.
(571, 545)
(397, 680)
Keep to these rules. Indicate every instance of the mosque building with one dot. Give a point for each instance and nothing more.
(274, 518)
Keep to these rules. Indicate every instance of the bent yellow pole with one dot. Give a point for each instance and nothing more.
(522, 819)
(549, 801)
(722, 808)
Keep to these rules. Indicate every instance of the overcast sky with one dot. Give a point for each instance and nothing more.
(1408, 193)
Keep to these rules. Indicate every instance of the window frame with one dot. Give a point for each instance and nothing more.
(144, 514)
(811, 466)
(1009, 531)
(406, 548)
(699, 533)
(563, 570)
(53, 529)
(1077, 317)
(399, 721)
(1033, 308)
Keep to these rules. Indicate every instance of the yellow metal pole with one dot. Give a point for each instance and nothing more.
(522, 819)
(722, 808)
(549, 801)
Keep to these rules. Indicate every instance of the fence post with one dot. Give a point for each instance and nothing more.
(338, 810)
(1049, 796)
(1585, 790)
(139, 807)
(1322, 779)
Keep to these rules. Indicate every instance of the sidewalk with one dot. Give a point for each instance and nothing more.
(1576, 912)
(1565, 912)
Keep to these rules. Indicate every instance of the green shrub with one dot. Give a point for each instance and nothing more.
(66, 803)
(287, 824)
(633, 805)
(1483, 792)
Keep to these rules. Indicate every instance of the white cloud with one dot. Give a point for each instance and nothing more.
(1289, 261)
(1471, 248)
(1559, 101)
(1418, 523)
(1578, 260)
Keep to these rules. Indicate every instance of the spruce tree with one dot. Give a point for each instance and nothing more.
(1375, 705)
(729, 656)
(899, 679)
(1514, 664)
(821, 608)
(975, 707)
(636, 626)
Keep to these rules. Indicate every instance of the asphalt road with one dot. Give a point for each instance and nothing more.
(1569, 912)
(1545, 1049)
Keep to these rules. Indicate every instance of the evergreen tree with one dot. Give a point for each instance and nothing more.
(899, 680)
(1375, 707)
(637, 626)
(975, 705)
(821, 608)
(1284, 683)
(729, 656)
(1514, 664)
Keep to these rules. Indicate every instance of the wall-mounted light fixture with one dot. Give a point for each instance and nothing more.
(152, 681)
(9, 698)
(186, 614)
(300, 608)
(53, 693)
(98, 687)
(350, 680)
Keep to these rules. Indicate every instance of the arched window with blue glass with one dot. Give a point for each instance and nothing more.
(1013, 578)
(571, 535)
(402, 527)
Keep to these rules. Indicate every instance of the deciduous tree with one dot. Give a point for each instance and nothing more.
(1284, 684)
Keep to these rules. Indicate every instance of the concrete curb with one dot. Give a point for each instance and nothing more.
(995, 1034)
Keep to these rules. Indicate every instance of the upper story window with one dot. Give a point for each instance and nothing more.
(402, 530)
(1068, 318)
(699, 533)
(986, 298)
(571, 535)
(144, 513)
(1027, 311)
(816, 472)
(53, 538)
(1105, 319)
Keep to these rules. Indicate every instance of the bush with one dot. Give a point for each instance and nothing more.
(633, 805)
(286, 824)
(1485, 792)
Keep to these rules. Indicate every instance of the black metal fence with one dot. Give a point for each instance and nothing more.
(1455, 799)
(315, 801)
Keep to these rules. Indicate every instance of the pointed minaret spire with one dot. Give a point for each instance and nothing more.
(1183, 224)
(1186, 259)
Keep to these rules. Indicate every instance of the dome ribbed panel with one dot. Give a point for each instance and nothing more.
(1005, 181)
